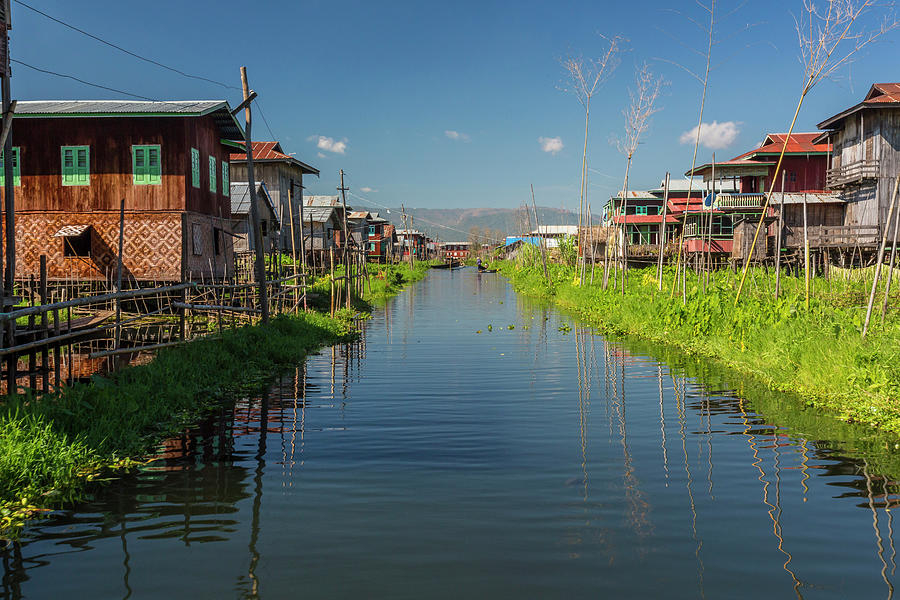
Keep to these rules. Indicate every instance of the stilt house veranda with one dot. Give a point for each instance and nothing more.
(75, 161)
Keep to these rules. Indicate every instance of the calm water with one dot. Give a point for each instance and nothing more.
(532, 460)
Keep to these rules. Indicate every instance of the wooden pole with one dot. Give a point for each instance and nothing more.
(9, 188)
(260, 258)
(805, 252)
(624, 225)
(880, 257)
(119, 272)
(45, 325)
(662, 232)
(887, 289)
(293, 242)
(778, 235)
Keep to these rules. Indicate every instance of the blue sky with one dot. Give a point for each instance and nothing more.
(375, 87)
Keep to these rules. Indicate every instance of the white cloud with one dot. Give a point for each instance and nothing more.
(714, 136)
(366, 189)
(456, 135)
(551, 145)
(329, 144)
(320, 155)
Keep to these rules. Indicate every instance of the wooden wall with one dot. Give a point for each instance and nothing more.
(111, 178)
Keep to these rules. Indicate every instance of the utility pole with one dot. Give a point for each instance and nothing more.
(260, 258)
(9, 187)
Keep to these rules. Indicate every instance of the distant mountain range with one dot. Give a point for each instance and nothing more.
(455, 224)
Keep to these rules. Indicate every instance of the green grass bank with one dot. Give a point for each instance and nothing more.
(817, 354)
(52, 447)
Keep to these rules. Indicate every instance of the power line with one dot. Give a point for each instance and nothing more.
(121, 49)
(266, 121)
(96, 85)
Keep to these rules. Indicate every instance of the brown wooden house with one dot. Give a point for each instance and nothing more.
(75, 161)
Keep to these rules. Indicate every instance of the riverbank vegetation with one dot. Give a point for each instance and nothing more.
(817, 353)
(53, 446)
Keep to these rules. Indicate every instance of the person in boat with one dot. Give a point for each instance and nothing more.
(478, 263)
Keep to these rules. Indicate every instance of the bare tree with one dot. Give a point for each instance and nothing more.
(637, 120)
(829, 38)
(585, 78)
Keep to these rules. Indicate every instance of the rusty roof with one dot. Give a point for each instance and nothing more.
(272, 152)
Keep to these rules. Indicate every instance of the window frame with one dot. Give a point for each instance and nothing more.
(17, 167)
(212, 174)
(75, 168)
(195, 168)
(151, 177)
(226, 179)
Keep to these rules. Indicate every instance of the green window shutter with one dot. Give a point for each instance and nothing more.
(212, 174)
(226, 182)
(195, 167)
(145, 165)
(17, 166)
(17, 173)
(139, 165)
(76, 165)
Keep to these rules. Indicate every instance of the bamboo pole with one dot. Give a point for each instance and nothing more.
(887, 289)
(778, 235)
(805, 252)
(880, 257)
(662, 231)
(537, 225)
(293, 237)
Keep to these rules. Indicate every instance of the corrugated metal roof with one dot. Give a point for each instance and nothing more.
(556, 230)
(636, 194)
(883, 93)
(322, 201)
(272, 151)
(240, 198)
(358, 214)
(811, 198)
(124, 107)
(134, 108)
(317, 214)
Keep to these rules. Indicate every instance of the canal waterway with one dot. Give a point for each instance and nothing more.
(475, 443)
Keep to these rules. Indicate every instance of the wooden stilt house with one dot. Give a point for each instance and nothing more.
(75, 161)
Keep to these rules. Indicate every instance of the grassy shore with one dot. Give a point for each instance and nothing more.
(817, 353)
(52, 447)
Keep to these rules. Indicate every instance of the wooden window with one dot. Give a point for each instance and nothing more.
(17, 173)
(145, 165)
(217, 240)
(212, 174)
(195, 167)
(76, 165)
(226, 182)
(870, 147)
(640, 210)
(371, 246)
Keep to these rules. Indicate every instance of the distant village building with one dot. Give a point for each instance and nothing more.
(411, 240)
(240, 217)
(283, 175)
(454, 251)
(75, 161)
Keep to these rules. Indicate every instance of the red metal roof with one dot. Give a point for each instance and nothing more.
(264, 151)
(883, 93)
(799, 143)
(272, 151)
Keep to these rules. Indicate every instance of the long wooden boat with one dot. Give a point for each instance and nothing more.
(448, 265)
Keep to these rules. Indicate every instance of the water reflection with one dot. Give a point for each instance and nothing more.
(425, 453)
